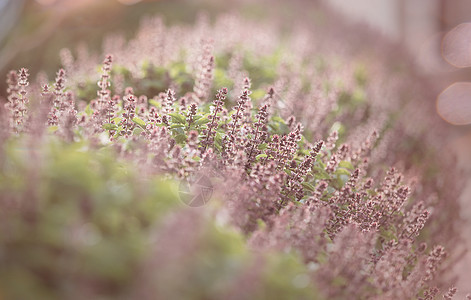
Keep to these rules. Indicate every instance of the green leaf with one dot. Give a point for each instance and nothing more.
(218, 141)
(176, 126)
(261, 225)
(258, 157)
(308, 186)
(262, 146)
(278, 119)
(202, 121)
(137, 131)
(177, 118)
(139, 122)
(88, 110)
(346, 165)
(180, 138)
(154, 103)
(321, 173)
(109, 126)
(177, 131)
(52, 129)
(341, 171)
(258, 94)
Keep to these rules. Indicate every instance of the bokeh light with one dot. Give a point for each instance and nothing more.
(454, 104)
(456, 46)
(429, 59)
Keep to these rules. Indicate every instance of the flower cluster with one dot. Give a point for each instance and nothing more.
(17, 98)
(211, 130)
(305, 182)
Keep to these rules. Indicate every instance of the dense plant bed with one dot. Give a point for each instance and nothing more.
(324, 187)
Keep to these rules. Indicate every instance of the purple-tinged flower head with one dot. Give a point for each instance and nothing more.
(268, 98)
(297, 175)
(321, 187)
(59, 84)
(343, 151)
(430, 293)
(259, 133)
(193, 139)
(291, 122)
(62, 110)
(332, 163)
(317, 148)
(210, 132)
(183, 103)
(18, 101)
(234, 140)
(389, 268)
(240, 108)
(47, 104)
(433, 261)
(153, 115)
(204, 78)
(414, 221)
(128, 91)
(348, 258)
(166, 120)
(368, 184)
(401, 196)
(390, 182)
(451, 292)
(331, 140)
(295, 227)
(257, 193)
(128, 115)
(107, 63)
(422, 247)
(53, 117)
(314, 200)
(273, 148)
(160, 145)
(13, 86)
(247, 84)
(365, 148)
(288, 147)
(352, 181)
(142, 103)
(110, 110)
(23, 75)
(13, 102)
(68, 117)
(45, 90)
(168, 102)
(247, 105)
(59, 87)
(262, 117)
(192, 109)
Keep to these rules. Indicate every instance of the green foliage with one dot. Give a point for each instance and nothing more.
(82, 217)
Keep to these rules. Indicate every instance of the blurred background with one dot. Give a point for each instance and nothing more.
(32, 32)
(435, 33)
